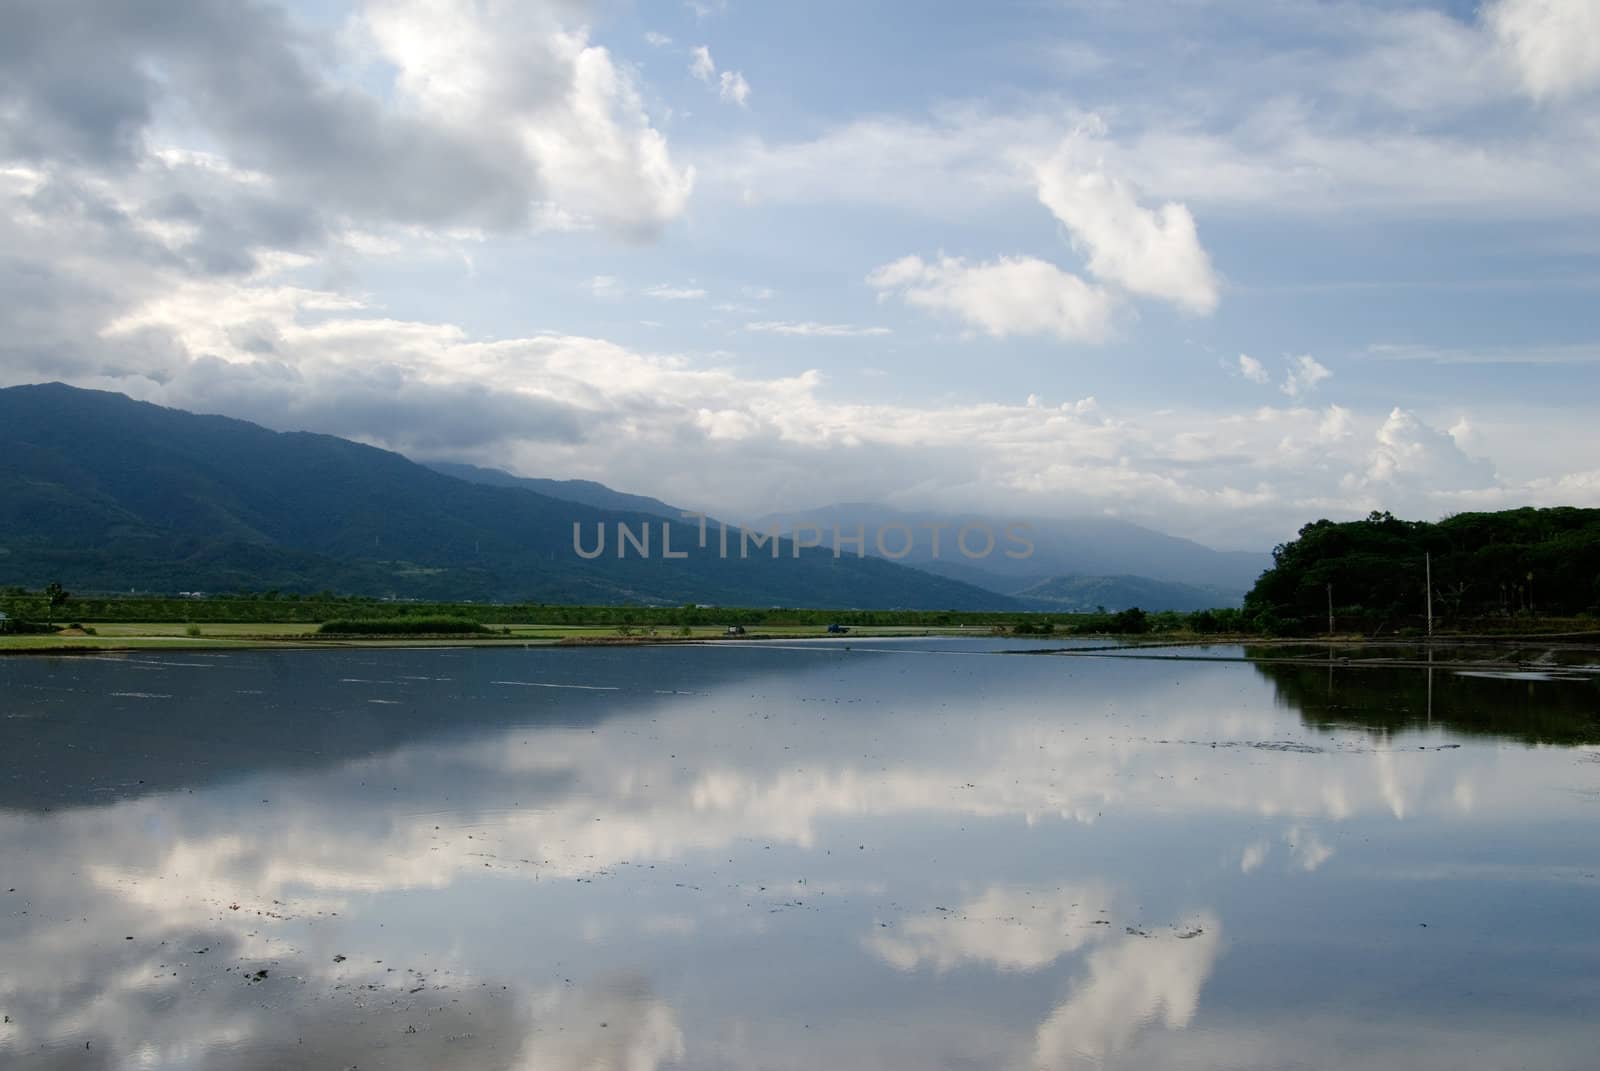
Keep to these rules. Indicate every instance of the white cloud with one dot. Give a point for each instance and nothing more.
(606, 286)
(1335, 424)
(571, 406)
(1390, 113)
(422, 118)
(674, 293)
(1153, 252)
(701, 64)
(656, 40)
(1553, 44)
(545, 88)
(1008, 296)
(733, 88)
(814, 330)
(1305, 372)
(1252, 369)
(1409, 452)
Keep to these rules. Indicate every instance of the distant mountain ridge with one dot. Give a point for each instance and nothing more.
(105, 493)
(588, 492)
(1072, 593)
(1081, 594)
(1098, 547)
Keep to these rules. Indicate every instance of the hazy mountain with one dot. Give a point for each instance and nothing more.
(1077, 547)
(1068, 593)
(1083, 593)
(104, 493)
(587, 492)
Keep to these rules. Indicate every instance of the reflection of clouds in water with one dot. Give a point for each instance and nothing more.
(1006, 927)
(1307, 848)
(688, 782)
(103, 1007)
(1131, 986)
(568, 803)
(180, 993)
(622, 1027)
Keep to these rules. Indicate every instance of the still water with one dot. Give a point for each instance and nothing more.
(873, 855)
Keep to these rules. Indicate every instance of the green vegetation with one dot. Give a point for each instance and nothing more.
(351, 615)
(1491, 572)
(55, 597)
(405, 626)
(106, 494)
(16, 626)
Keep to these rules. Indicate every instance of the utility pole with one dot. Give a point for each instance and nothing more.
(1330, 609)
(1427, 560)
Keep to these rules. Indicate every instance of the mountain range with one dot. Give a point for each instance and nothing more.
(104, 493)
(1126, 564)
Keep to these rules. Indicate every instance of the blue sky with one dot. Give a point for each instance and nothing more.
(1219, 267)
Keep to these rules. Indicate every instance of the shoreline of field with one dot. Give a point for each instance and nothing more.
(1459, 652)
(110, 639)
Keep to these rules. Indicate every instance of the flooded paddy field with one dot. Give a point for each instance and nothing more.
(876, 854)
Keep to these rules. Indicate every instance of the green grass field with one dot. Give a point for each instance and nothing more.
(148, 635)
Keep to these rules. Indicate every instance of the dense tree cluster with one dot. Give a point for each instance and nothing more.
(1523, 562)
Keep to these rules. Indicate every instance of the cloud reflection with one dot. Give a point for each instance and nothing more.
(1133, 985)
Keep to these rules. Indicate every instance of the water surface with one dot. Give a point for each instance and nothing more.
(870, 854)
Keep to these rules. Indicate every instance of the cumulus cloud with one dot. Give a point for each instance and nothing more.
(732, 87)
(1554, 45)
(1252, 369)
(1409, 452)
(701, 64)
(1152, 252)
(1335, 424)
(1305, 372)
(540, 85)
(1129, 249)
(1008, 296)
(501, 126)
(690, 427)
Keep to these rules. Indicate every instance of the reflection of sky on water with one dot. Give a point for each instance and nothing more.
(771, 858)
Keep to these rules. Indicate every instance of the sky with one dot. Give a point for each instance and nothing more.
(1221, 267)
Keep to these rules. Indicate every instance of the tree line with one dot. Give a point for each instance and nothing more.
(1383, 574)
